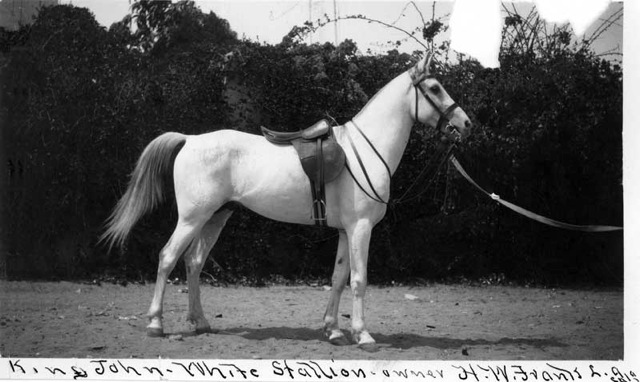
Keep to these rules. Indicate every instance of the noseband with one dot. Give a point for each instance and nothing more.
(417, 79)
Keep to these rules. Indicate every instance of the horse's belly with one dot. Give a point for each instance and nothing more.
(270, 181)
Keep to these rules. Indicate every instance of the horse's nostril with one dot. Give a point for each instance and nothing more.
(467, 124)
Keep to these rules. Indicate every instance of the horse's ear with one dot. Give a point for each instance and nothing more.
(427, 67)
(424, 65)
(421, 66)
(421, 69)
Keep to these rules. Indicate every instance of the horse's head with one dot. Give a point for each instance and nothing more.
(435, 107)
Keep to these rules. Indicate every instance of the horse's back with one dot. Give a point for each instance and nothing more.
(241, 151)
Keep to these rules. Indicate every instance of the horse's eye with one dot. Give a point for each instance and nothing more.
(435, 89)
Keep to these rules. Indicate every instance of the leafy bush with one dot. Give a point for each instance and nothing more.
(81, 102)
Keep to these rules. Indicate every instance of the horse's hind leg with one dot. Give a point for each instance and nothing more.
(194, 260)
(338, 282)
(175, 247)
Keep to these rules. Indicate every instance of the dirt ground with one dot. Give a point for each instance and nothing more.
(443, 322)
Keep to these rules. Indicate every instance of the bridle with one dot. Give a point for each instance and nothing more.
(449, 130)
(444, 125)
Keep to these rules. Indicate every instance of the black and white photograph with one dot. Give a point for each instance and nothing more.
(327, 180)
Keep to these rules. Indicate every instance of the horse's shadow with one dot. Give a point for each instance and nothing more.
(408, 341)
(398, 340)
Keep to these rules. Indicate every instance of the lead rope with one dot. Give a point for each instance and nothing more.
(532, 215)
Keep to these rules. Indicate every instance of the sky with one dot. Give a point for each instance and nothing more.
(268, 21)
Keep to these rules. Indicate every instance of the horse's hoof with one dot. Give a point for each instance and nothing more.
(207, 329)
(363, 339)
(340, 340)
(369, 347)
(155, 332)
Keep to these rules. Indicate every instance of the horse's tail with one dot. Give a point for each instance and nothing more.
(146, 188)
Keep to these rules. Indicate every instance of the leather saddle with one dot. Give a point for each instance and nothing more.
(321, 156)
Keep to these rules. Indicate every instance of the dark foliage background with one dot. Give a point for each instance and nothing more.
(80, 102)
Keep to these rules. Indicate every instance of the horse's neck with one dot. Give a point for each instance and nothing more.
(386, 120)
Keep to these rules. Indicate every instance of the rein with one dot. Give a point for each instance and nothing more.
(404, 197)
(419, 179)
(416, 80)
(377, 197)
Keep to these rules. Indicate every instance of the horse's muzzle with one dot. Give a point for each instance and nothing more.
(452, 133)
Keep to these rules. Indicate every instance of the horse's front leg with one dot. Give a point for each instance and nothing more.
(359, 238)
(338, 282)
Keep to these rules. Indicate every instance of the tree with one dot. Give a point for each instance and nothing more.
(549, 137)
(161, 25)
(81, 102)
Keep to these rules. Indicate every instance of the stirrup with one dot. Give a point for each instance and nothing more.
(320, 212)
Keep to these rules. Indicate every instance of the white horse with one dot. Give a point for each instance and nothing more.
(213, 169)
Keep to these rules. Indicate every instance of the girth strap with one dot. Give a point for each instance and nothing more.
(318, 189)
